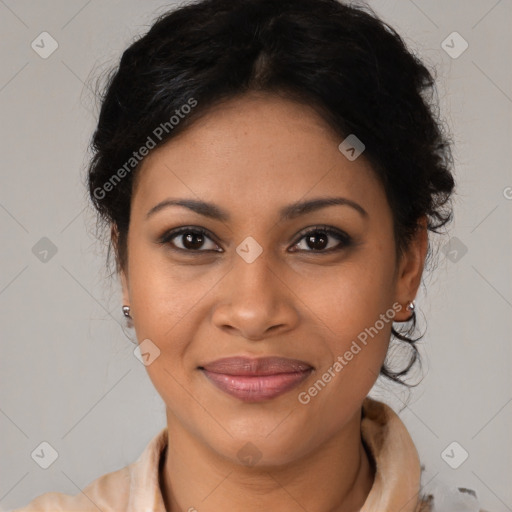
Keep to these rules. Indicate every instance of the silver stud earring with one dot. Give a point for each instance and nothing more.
(411, 306)
(126, 311)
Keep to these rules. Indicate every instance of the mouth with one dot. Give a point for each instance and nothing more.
(256, 380)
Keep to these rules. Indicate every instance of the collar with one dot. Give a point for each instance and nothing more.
(398, 472)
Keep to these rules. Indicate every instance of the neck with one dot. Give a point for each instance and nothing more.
(337, 477)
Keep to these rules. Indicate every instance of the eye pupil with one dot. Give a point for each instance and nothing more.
(193, 240)
(317, 241)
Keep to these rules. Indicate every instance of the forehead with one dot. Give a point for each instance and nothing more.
(251, 152)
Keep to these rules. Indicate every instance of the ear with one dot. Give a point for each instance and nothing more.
(410, 269)
(114, 234)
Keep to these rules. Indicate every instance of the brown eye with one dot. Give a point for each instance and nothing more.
(190, 240)
(317, 241)
(322, 239)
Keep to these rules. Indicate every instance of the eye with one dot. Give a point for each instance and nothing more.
(189, 239)
(320, 239)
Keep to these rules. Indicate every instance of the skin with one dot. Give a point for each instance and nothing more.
(251, 157)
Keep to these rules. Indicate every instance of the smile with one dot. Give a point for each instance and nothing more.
(255, 380)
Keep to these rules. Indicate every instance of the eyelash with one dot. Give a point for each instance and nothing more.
(344, 239)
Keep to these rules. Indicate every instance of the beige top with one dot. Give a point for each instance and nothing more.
(135, 488)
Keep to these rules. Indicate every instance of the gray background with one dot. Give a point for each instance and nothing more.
(68, 373)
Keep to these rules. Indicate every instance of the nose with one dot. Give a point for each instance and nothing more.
(255, 301)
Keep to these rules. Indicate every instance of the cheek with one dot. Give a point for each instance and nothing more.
(353, 296)
(357, 317)
(354, 305)
(163, 295)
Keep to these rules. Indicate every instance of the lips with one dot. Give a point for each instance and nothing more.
(254, 380)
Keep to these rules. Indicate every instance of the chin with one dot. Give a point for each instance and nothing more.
(262, 443)
(262, 454)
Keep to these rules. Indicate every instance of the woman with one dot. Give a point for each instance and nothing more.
(269, 173)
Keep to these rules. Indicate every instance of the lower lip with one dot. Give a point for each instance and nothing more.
(258, 387)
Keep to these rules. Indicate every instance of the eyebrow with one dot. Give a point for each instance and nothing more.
(287, 213)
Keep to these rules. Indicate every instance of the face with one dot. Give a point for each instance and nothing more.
(285, 249)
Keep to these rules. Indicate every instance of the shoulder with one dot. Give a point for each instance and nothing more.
(107, 493)
(441, 497)
(427, 505)
(133, 487)
(398, 462)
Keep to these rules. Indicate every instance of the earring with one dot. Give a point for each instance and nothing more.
(411, 306)
(126, 311)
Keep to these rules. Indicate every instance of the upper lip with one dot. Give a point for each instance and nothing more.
(256, 366)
